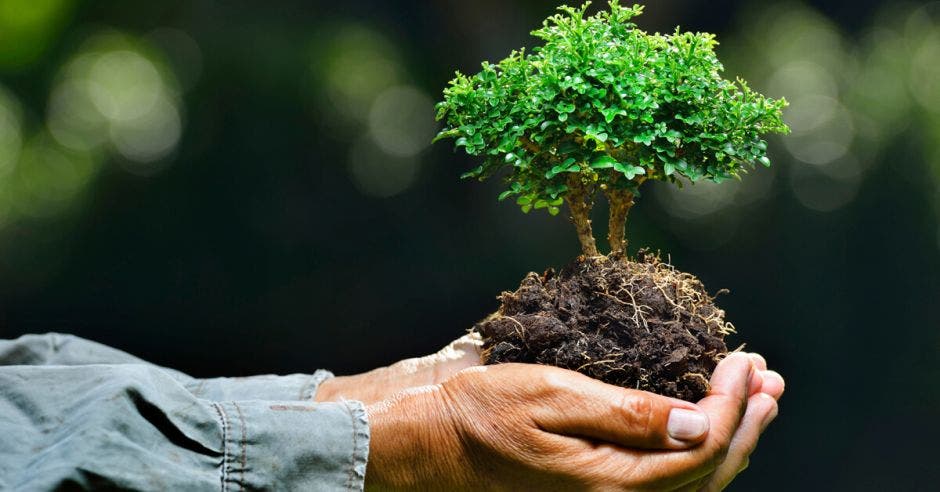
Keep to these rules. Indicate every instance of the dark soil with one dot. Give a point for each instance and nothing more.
(637, 324)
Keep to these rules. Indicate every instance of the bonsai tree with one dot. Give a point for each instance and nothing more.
(602, 106)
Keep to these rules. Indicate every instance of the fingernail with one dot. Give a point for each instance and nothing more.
(686, 425)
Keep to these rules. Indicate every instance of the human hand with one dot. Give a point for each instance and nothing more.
(381, 383)
(536, 427)
(765, 390)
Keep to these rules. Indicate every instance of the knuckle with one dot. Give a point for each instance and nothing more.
(749, 445)
(719, 452)
(638, 411)
(552, 383)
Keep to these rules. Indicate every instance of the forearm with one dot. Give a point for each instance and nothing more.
(135, 427)
(57, 349)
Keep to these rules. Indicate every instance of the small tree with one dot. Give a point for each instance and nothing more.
(604, 106)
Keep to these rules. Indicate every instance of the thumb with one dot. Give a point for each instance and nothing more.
(584, 407)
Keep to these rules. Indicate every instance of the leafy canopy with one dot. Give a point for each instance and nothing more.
(611, 102)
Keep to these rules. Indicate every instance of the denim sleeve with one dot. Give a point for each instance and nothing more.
(68, 350)
(136, 426)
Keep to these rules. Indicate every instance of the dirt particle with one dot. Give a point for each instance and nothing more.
(632, 323)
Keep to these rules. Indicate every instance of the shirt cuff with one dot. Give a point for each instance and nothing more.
(293, 445)
(268, 387)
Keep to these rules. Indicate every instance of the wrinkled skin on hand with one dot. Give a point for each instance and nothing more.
(442, 423)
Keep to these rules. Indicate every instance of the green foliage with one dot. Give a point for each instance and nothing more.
(610, 102)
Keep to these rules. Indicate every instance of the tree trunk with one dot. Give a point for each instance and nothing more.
(580, 206)
(620, 203)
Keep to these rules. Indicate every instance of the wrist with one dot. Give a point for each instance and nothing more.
(413, 442)
(362, 387)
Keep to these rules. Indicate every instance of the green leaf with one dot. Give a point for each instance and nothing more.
(568, 147)
(472, 173)
(611, 113)
(603, 162)
(601, 91)
(450, 133)
(505, 194)
(645, 138)
(570, 165)
(554, 210)
(629, 171)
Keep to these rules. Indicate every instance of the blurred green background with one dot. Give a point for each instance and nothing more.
(241, 187)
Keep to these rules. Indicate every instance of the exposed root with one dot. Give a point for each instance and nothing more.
(638, 323)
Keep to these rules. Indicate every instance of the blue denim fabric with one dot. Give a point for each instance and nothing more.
(77, 414)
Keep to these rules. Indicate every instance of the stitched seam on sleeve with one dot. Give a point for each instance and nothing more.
(354, 478)
(352, 455)
(244, 446)
(224, 420)
(309, 390)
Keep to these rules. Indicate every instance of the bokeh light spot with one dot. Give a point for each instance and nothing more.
(72, 118)
(48, 177)
(149, 137)
(11, 136)
(796, 32)
(123, 85)
(355, 65)
(802, 77)
(27, 28)
(697, 200)
(112, 93)
(183, 52)
(401, 121)
(817, 190)
(925, 72)
(823, 129)
(378, 174)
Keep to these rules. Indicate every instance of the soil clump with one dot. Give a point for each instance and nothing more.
(633, 323)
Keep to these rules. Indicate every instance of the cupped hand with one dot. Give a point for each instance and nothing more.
(517, 426)
(766, 388)
(382, 383)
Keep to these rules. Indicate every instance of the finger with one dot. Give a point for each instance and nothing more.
(579, 406)
(773, 384)
(727, 400)
(759, 362)
(755, 383)
(758, 415)
(725, 406)
(761, 410)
